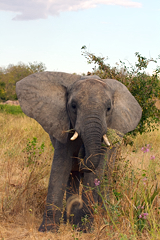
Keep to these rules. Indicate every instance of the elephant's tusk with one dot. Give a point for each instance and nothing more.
(106, 140)
(74, 136)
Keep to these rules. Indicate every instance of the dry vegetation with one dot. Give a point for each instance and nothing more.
(24, 173)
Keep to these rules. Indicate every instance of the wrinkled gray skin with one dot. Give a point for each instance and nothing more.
(89, 105)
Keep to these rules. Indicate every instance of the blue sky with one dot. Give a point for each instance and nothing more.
(53, 31)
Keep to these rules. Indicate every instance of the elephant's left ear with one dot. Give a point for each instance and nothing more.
(126, 110)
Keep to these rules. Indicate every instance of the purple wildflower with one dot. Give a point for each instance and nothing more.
(146, 149)
(96, 182)
(145, 214)
(153, 157)
(144, 180)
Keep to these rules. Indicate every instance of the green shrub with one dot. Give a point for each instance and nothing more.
(10, 109)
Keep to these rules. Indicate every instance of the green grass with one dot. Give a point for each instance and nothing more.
(10, 109)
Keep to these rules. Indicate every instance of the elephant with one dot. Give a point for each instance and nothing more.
(76, 111)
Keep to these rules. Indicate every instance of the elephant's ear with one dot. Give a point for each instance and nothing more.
(126, 112)
(42, 96)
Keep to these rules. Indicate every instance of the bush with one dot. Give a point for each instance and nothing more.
(144, 87)
(9, 109)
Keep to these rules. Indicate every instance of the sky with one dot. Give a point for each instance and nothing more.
(53, 32)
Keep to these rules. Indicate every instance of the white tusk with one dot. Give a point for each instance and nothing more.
(106, 140)
(74, 136)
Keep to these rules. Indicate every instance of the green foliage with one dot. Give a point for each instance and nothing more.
(10, 109)
(114, 137)
(2, 90)
(12, 74)
(33, 152)
(144, 88)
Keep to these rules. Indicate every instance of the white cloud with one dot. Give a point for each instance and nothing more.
(36, 9)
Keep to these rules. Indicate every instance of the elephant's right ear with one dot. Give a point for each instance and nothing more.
(126, 112)
(42, 96)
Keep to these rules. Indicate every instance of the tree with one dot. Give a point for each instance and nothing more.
(12, 74)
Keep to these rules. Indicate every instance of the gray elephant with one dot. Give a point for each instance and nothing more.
(76, 112)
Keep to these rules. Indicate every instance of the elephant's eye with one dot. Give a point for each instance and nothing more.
(73, 105)
(108, 106)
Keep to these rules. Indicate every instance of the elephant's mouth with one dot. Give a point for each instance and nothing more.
(105, 139)
(90, 152)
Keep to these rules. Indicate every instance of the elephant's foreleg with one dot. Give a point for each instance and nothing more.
(84, 216)
(90, 196)
(61, 168)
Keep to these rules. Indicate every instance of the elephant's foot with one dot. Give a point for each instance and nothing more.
(79, 219)
(51, 221)
(84, 227)
(83, 220)
(48, 225)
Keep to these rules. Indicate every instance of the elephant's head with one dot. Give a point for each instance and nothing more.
(89, 105)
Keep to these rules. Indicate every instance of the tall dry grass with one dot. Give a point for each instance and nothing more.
(24, 173)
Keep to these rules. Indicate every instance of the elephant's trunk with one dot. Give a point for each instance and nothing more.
(92, 136)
